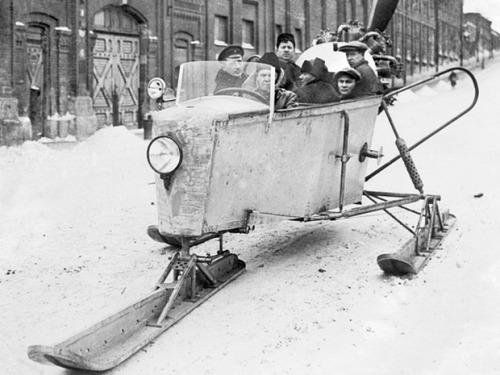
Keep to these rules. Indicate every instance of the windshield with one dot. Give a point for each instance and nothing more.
(249, 80)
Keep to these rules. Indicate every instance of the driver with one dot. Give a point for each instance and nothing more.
(231, 74)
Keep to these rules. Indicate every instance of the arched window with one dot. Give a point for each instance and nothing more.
(115, 19)
(183, 49)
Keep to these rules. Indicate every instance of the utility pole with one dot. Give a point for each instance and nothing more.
(436, 35)
(461, 30)
(11, 128)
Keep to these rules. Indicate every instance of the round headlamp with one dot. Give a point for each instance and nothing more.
(164, 154)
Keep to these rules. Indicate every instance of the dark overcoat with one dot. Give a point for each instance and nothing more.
(369, 83)
(317, 91)
(284, 99)
(292, 74)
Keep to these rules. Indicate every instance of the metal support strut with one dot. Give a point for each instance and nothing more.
(432, 224)
(190, 274)
(405, 154)
(344, 158)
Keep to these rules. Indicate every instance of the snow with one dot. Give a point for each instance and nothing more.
(426, 91)
(74, 250)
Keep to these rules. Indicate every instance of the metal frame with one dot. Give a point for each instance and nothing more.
(431, 224)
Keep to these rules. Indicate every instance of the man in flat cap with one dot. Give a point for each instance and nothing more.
(285, 50)
(345, 82)
(314, 83)
(231, 74)
(369, 83)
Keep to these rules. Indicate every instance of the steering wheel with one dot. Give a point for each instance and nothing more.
(236, 90)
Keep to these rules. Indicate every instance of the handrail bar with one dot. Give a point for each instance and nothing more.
(437, 130)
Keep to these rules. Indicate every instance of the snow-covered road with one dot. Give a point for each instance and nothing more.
(73, 250)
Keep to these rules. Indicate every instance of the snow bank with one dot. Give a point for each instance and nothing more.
(443, 86)
(426, 91)
(39, 182)
(115, 138)
(407, 96)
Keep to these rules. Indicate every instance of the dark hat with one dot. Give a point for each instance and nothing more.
(315, 67)
(348, 71)
(253, 58)
(229, 51)
(284, 38)
(270, 58)
(353, 46)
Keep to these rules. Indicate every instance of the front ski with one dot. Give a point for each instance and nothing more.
(116, 338)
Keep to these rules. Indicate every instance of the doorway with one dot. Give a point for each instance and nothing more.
(116, 68)
(36, 44)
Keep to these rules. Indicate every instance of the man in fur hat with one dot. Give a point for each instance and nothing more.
(369, 83)
(314, 85)
(231, 74)
(285, 50)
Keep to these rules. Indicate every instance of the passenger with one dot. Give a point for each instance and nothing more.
(369, 83)
(314, 83)
(285, 50)
(282, 98)
(345, 82)
(231, 74)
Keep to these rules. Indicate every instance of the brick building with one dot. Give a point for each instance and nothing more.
(77, 65)
(495, 42)
(479, 42)
(426, 34)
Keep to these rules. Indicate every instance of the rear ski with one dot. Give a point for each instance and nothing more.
(417, 251)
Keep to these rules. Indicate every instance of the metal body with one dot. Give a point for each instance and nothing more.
(298, 165)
